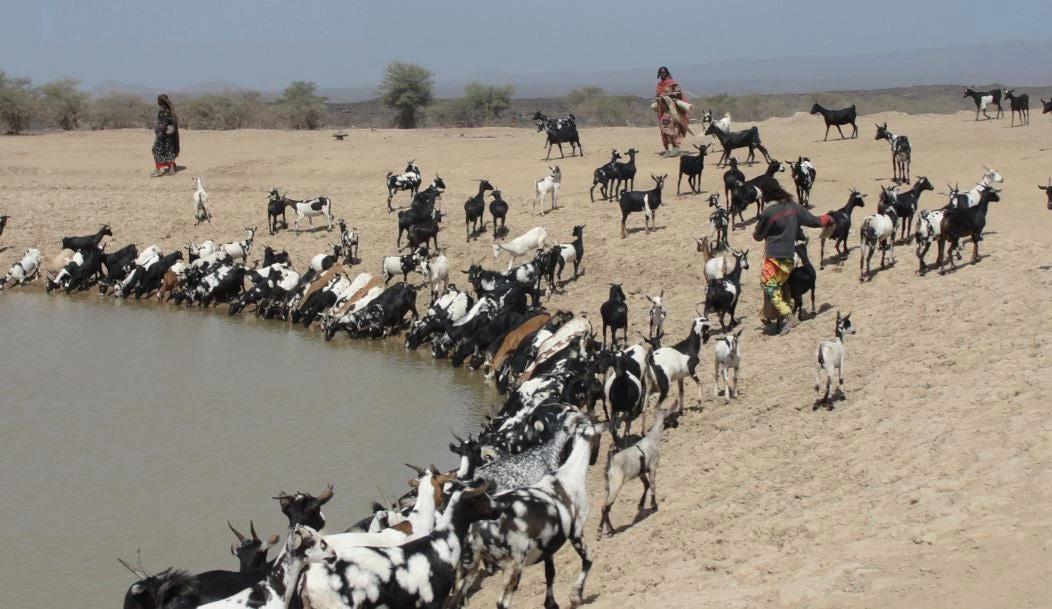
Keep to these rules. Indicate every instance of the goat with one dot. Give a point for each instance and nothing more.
(901, 153)
(524, 244)
(240, 249)
(536, 521)
(804, 174)
(840, 228)
(637, 461)
(403, 265)
(566, 252)
(528, 467)
(877, 229)
(831, 358)
(749, 138)
(474, 208)
(751, 191)
(625, 173)
(615, 314)
(275, 208)
(91, 241)
(559, 131)
(983, 99)
(673, 364)
(1048, 193)
(407, 180)
(437, 275)
(836, 118)
(603, 176)
(720, 221)
(3, 223)
(26, 269)
(657, 314)
(630, 379)
(958, 223)
(201, 211)
(731, 177)
(971, 198)
(421, 573)
(548, 185)
(717, 267)
(802, 280)
(1046, 106)
(645, 201)
(929, 227)
(1020, 104)
(498, 208)
(423, 233)
(304, 508)
(349, 241)
(906, 204)
(724, 123)
(308, 208)
(721, 295)
(322, 262)
(692, 166)
(251, 552)
(727, 356)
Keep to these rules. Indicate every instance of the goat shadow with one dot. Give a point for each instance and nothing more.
(641, 515)
(692, 194)
(1045, 267)
(834, 260)
(640, 229)
(837, 395)
(4, 249)
(744, 223)
(310, 230)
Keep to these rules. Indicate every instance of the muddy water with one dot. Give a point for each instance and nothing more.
(125, 426)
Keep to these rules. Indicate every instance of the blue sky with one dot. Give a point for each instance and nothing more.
(265, 44)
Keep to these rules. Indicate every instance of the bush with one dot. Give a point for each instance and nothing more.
(406, 87)
(301, 108)
(594, 106)
(121, 111)
(231, 110)
(19, 102)
(64, 103)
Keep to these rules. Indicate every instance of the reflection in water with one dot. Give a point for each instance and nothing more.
(124, 425)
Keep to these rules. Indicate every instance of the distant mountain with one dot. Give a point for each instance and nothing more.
(1022, 63)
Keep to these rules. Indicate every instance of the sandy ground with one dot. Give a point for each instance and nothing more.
(930, 486)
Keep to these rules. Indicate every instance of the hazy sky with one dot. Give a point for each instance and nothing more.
(265, 44)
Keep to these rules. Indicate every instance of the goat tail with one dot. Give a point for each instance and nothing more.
(496, 250)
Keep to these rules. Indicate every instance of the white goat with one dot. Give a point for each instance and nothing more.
(201, 211)
(727, 356)
(524, 244)
(637, 461)
(240, 249)
(24, 270)
(831, 358)
(990, 177)
(548, 185)
(877, 229)
(438, 274)
(719, 267)
(657, 314)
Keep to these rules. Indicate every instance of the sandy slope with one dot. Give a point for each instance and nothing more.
(929, 487)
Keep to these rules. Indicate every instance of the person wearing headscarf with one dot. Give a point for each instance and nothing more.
(672, 110)
(166, 137)
(778, 227)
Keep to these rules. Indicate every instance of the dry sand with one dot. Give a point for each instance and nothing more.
(928, 487)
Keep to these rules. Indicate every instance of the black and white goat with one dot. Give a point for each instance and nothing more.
(415, 261)
(604, 176)
(831, 357)
(901, 153)
(959, 223)
(1020, 104)
(657, 315)
(407, 180)
(720, 222)
(983, 99)
(349, 241)
(647, 201)
(721, 295)
(836, 118)
(240, 249)
(559, 131)
(562, 253)
(308, 208)
(201, 210)
(692, 167)
(877, 230)
(804, 174)
(548, 185)
(906, 203)
(615, 314)
(26, 269)
(475, 209)
(676, 363)
(727, 359)
(749, 138)
(840, 228)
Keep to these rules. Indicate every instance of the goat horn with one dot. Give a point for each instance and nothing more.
(252, 529)
(419, 470)
(325, 495)
(455, 436)
(237, 533)
(136, 572)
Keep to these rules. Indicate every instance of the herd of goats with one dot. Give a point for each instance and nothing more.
(519, 492)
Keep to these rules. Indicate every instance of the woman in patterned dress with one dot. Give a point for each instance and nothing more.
(166, 138)
(672, 120)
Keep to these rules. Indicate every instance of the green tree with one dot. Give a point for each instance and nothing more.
(301, 107)
(18, 103)
(406, 87)
(121, 111)
(64, 103)
(489, 101)
(231, 110)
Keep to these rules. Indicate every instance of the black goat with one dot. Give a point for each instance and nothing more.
(836, 118)
(1046, 106)
(719, 220)
(117, 265)
(304, 508)
(839, 230)
(81, 275)
(804, 175)
(272, 257)
(422, 233)
(906, 204)
(959, 222)
(1048, 192)
(602, 177)
(983, 98)
(721, 295)
(1020, 104)
(802, 280)
(646, 201)
(749, 192)
(625, 173)
(560, 131)
(692, 166)
(498, 208)
(901, 153)
(474, 209)
(749, 138)
(91, 241)
(731, 177)
(615, 314)
(3, 223)
(275, 208)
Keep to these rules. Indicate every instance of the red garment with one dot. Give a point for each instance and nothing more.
(672, 131)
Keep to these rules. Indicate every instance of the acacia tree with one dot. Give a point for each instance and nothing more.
(406, 87)
(490, 101)
(18, 102)
(65, 103)
(303, 109)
